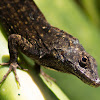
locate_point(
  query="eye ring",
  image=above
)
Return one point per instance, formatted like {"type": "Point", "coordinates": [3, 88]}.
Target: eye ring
{"type": "Point", "coordinates": [83, 62]}
{"type": "Point", "coordinates": [84, 59]}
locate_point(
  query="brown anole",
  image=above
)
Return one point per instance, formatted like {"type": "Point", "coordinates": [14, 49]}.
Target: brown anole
{"type": "Point", "coordinates": [29, 32]}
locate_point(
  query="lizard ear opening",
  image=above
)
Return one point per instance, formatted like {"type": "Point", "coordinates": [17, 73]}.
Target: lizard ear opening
{"type": "Point", "coordinates": [83, 62]}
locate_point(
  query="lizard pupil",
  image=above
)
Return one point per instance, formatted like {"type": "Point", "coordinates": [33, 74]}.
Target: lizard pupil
{"type": "Point", "coordinates": [84, 59]}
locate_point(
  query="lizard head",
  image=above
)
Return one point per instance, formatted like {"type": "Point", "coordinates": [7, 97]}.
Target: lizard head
{"type": "Point", "coordinates": [82, 64]}
{"type": "Point", "coordinates": [85, 68]}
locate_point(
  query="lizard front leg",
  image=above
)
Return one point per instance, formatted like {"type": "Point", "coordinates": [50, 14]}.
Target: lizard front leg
{"type": "Point", "coordinates": [16, 42]}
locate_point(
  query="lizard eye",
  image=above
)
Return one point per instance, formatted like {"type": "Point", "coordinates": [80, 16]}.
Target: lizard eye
{"type": "Point", "coordinates": [84, 59]}
{"type": "Point", "coordinates": [83, 62]}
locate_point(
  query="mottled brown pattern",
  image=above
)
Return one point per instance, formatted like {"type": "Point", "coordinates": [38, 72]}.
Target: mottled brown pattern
{"type": "Point", "coordinates": [49, 46]}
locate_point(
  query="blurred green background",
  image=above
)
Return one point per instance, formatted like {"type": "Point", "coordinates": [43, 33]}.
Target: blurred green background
{"type": "Point", "coordinates": [81, 18]}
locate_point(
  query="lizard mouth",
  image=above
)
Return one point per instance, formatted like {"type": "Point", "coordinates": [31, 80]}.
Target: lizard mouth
{"type": "Point", "coordinates": [92, 81]}
{"type": "Point", "coordinates": [95, 83]}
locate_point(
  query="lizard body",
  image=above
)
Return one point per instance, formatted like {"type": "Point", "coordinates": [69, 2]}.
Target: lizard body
{"type": "Point", "coordinates": [29, 31]}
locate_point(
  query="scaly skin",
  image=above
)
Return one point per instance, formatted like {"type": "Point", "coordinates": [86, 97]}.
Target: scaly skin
{"type": "Point", "coordinates": [29, 31]}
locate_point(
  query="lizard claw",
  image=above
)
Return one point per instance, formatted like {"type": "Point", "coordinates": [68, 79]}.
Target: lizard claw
{"type": "Point", "coordinates": [47, 76]}
{"type": "Point", "coordinates": [22, 68]}
{"type": "Point", "coordinates": [3, 64]}
{"type": "Point", "coordinates": [13, 66]}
